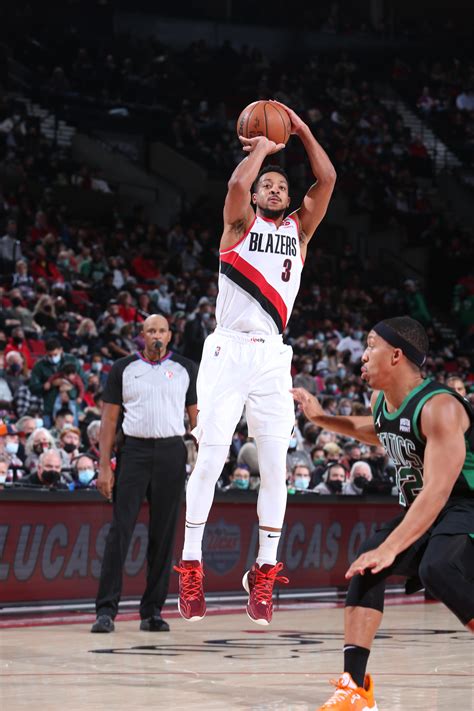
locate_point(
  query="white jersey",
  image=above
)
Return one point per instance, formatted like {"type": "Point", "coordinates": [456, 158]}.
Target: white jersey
{"type": "Point", "coordinates": [259, 278]}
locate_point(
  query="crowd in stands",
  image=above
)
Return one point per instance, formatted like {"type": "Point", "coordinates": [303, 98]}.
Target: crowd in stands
{"type": "Point", "coordinates": [73, 294]}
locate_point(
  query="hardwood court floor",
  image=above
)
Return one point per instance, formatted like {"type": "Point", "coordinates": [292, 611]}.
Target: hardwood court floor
{"type": "Point", "coordinates": [423, 660]}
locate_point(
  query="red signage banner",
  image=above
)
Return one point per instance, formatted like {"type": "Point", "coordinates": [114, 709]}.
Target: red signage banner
{"type": "Point", "coordinates": [51, 551]}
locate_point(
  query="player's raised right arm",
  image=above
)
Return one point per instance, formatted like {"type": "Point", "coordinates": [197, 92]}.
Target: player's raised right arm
{"type": "Point", "coordinates": [360, 428]}
{"type": "Point", "coordinates": [238, 213]}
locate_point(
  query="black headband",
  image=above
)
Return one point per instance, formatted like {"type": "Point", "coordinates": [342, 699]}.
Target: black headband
{"type": "Point", "coordinates": [397, 341]}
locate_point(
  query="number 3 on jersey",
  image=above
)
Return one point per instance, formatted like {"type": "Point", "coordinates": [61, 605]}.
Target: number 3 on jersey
{"type": "Point", "coordinates": [286, 273]}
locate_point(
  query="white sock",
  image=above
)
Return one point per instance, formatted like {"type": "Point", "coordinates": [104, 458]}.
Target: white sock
{"type": "Point", "coordinates": [193, 534]}
{"type": "Point", "coordinates": [199, 496]}
{"type": "Point", "coordinates": [268, 546]}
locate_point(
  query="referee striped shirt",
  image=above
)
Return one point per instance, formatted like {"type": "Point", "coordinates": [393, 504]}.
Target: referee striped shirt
{"type": "Point", "coordinates": [153, 394]}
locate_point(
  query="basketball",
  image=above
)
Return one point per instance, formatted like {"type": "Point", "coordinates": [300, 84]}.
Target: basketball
{"type": "Point", "coordinates": [264, 118]}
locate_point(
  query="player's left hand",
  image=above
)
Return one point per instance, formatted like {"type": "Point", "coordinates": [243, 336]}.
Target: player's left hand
{"type": "Point", "coordinates": [297, 124]}
{"type": "Point", "coordinates": [373, 561]}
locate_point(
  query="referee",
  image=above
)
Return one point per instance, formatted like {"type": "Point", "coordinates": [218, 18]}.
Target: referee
{"type": "Point", "coordinates": [151, 389]}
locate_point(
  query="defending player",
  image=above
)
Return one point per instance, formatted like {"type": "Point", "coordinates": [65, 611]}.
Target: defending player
{"type": "Point", "coordinates": [245, 362]}
{"type": "Point", "coordinates": [428, 431]}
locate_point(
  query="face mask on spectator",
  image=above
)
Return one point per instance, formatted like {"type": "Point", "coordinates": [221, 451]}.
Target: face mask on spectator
{"type": "Point", "coordinates": [307, 368]}
{"type": "Point", "coordinates": [332, 387]}
{"type": "Point", "coordinates": [97, 367]}
{"type": "Point", "coordinates": [85, 476]}
{"type": "Point", "coordinates": [361, 482]}
{"type": "Point", "coordinates": [3, 478]}
{"type": "Point", "coordinates": [346, 410]}
{"type": "Point", "coordinates": [69, 447]}
{"type": "Point", "coordinates": [358, 335]}
{"type": "Point", "coordinates": [350, 396]}
{"type": "Point", "coordinates": [40, 448]}
{"type": "Point", "coordinates": [335, 486]}
{"type": "Point", "coordinates": [301, 482]}
{"type": "Point", "coordinates": [39, 422]}
{"type": "Point", "coordinates": [3, 345]}
{"type": "Point", "coordinates": [242, 483]}
{"type": "Point", "coordinates": [54, 359]}
{"type": "Point", "coordinates": [11, 447]}
{"type": "Point", "coordinates": [318, 461]}
{"type": "Point", "coordinates": [18, 340]}
{"type": "Point", "coordinates": [50, 476]}
{"type": "Point", "coordinates": [14, 368]}
{"type": "Point", "coordinates": [342, 372]}
{"type": "Point", "coordinates": [293, 443]}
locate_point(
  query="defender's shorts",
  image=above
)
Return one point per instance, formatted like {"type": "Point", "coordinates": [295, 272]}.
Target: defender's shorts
{"type": "Point", "coordinates": [240, 369]}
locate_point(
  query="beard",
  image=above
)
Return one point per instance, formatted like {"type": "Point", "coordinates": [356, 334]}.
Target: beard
{"type": "Point", "coordinates": [272, 214]}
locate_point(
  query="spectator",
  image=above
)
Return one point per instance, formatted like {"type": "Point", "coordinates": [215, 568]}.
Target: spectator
{"type": "Point", "coordinates": [296, 455]}
{"type": "Point", "coordinates": [352, 343]}
{"type": "Point", "coordinates": [93, 430]}
{"type": "Point", "coordinates": [332, 454]}
{"type": "Point", "coordinates": [43, 383]}
{"type": "Point", "coordinates": [197, 329]}
{"type": "Point", "coordinates": [10, 248]}
{"type": "Point", "coordinates": [26, 425]}
{"type": "Point", "coordinates": [332, 480]}
{"type": "Point", "coordinates": [239, 478]}
{"type": "Point", "coordinates": [3, 470]}
{"type": "Point", "coordinates": [359, 478]}
{"type": "Point", "coordinates": [38, 442]}
{"type": "Point", "coordinates": [18, 343]}
{"type": "Point", "coordinates": [457, 384]}
{"type": "Point", "coordinates": [83, 473]}
{"type": "Point", "coordinates": [22, 280]}
{"type": "Point", "coordinates": [48, 473]}
{"type": "Point", "coordinates": [248, 457]}
{"type": "Point", "coordinates": [299, 479]}
{"type": "Point", "coordinates": [62, 418]}
{"type": "Point", "coordinates": [9, 446]}
{"type": "Point", "coordinates": [305, 379]}
{"type": "Point", "coordinates": [69, 446]}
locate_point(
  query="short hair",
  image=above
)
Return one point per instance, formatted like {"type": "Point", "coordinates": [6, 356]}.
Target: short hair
{"type": "Point", "coordinates": [269, 169]}
{"type": "Point", "coordinates": [47, 453]}
{"type": "Point", "coordinates": [328, 470]}
{"type": "Point", "coordinates": [299, 465]}
{"type": "Point", "coordinates": [51, 344]}
{"type": "Point", "coordinates": [91, 427]}
{"type": "Point", "coordinates": [361, 463]}
{"type": "Point", "coordinates": [411, 330]}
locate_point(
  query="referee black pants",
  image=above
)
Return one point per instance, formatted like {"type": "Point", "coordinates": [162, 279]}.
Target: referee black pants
{"type": "Point", "coordinates": [155, 469]}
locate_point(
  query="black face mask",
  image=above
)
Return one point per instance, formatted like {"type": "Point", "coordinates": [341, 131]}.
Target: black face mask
{"type": "Point", "coordinates": [361, 482]}
{"type": "Point", "coordinates": [3, 345]}
{"type": "Point", "coordinates": [69, 447]}
{"type": "Point", "coordinates": [50, 476]}
{"type": "Point", "coordinates": [335, 486]}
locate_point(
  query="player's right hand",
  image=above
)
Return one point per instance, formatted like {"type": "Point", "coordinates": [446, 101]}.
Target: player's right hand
{"type": "Point", "coordinates": [105, 481]}
{"type": "Point", "coordinates": [308, 402]}
{"type": "Point", "coordinates": [250, 144]}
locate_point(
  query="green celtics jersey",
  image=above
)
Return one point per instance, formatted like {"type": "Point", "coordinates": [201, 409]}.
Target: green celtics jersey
{"type": "Point", "coordinates": [400, 434]}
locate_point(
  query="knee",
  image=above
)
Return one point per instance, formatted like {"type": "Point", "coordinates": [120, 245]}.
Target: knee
{"type": "Point", "coordinates": [431, 572]}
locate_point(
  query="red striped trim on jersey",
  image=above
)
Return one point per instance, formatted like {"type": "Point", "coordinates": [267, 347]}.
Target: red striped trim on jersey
{"type": "Point", "coordinates": [234, 267]}
{"type": "Point", "coordinates": [294, 216]}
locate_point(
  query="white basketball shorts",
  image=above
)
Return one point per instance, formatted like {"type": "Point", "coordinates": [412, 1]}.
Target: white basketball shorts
{"type": "Point", "coordinates": [240, 369]}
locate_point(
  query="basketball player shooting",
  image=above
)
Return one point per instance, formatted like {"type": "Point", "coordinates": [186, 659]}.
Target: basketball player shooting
{"type": "Point", "coordinates": [245, 362]}
{"type": "Point", "coordinates": [428, 431]}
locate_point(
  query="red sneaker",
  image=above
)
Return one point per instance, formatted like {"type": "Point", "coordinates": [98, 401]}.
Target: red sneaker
{"type": "Point", "coordinates": [259, 582]}
{"type": "Point", "coordinates": [191, 602]}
